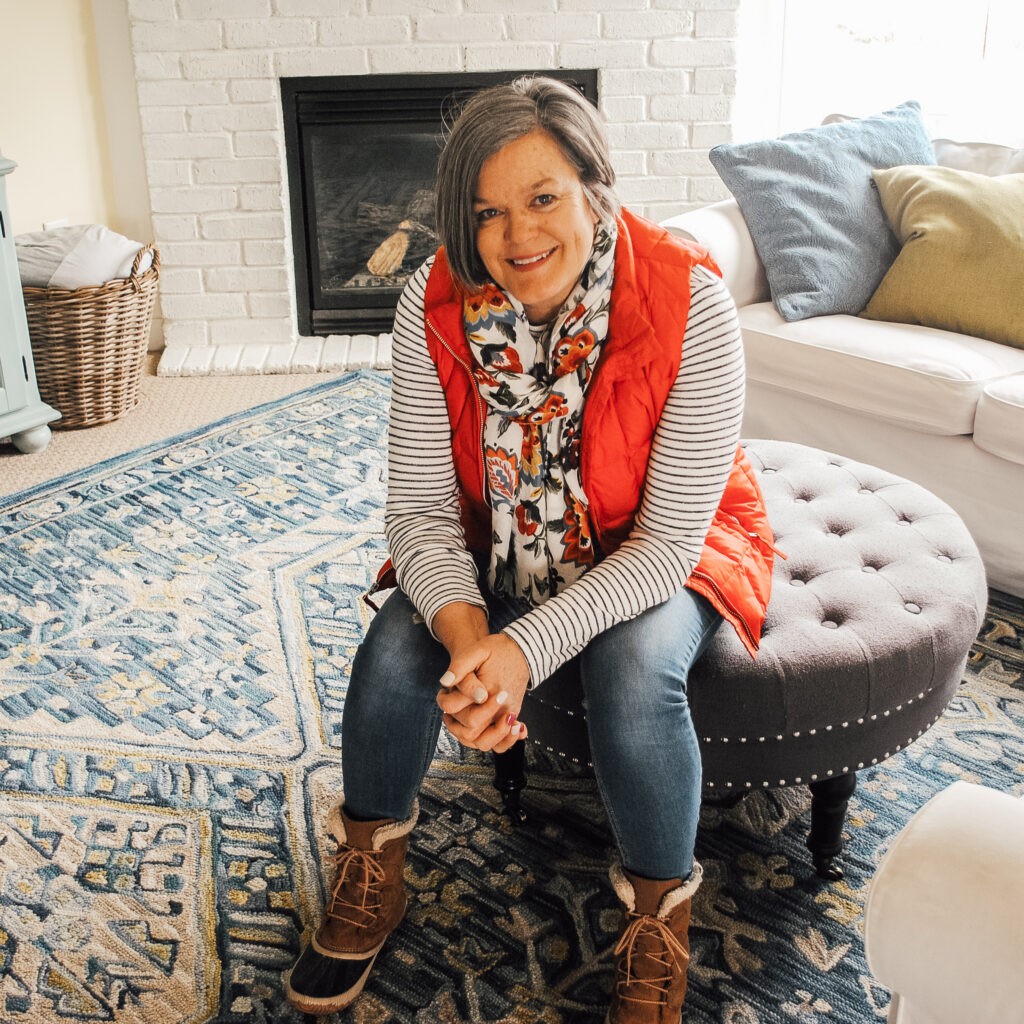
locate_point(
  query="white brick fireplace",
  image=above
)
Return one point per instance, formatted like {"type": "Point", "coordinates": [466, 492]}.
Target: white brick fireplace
{"type": "Point", "coordinates": [213, 135]}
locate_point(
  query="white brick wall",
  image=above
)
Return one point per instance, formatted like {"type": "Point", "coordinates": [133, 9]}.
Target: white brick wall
{"type": "Point", "coordinates": [209, 100]}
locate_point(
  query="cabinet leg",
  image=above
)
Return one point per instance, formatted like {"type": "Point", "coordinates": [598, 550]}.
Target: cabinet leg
{"type": "Point", "coordinates": [33, 440]}
{"type": "Point", "coordinates": [510, 780]}
{"type": "Point", "coordinates": [829, 799]}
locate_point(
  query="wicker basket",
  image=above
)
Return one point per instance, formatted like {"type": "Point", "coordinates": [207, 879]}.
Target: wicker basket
{"type": "Point", "coordinates": [89, 344]}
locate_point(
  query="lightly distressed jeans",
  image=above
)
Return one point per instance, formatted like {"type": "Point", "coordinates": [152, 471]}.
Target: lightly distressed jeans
{"type": "Point", "coordinates": [642, 739]}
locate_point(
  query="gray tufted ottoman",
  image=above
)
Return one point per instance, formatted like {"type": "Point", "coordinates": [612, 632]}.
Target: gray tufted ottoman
{"type": "Point", "coordinates": [870, 623]}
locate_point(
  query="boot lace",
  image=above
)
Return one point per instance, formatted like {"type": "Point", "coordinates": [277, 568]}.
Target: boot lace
{"type": "Point", "coordinates": [356, 897]}
{"type": "Point", "coordinates": [659, 959]}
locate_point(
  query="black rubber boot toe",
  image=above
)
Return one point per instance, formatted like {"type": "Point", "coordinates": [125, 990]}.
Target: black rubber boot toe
{"type": "Point", "coordinates": [325, 982]}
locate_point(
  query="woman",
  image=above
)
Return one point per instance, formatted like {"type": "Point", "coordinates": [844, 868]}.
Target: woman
{"type": "Point", "coordinates": [565, 483]}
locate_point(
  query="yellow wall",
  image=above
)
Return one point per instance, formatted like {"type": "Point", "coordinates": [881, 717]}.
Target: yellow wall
{"type": "Point", "coordinates": [51, 115]}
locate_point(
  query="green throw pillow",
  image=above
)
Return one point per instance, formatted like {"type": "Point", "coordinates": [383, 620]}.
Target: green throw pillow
{"type": "Point", "coordinates": [961, 265]}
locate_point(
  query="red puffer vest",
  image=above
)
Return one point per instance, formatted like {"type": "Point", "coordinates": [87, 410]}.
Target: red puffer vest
{"type": "Point", "coordinates": [638, 364]}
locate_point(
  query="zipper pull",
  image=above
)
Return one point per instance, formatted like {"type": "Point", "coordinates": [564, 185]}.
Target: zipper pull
{"type": "Point", "coordinates": [768, 544]}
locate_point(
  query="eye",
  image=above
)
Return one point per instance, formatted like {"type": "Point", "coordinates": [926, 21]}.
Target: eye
{"type": "Point", "coordinates": [483, 216]}
{"type": "Point", "coordinates": [546, 199]}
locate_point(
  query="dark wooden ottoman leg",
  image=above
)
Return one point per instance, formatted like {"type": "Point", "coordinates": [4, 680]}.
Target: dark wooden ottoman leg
{"type": "Point", "coordinates": [510, 780]}
{"type": "Point", "coordinates": [829, 798]}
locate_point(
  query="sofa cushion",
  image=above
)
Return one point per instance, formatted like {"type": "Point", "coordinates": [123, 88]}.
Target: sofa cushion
{"type": "Point", "coordinates": [920, 377]}
{"type": "Point", "coordinates": [961, 267]}
{"type": "Point", "coordinates": [999, 423]}
{"type": "Point", "coordinates": [813, 212]}
{"type": "Point", "coordinates": [980, 157]}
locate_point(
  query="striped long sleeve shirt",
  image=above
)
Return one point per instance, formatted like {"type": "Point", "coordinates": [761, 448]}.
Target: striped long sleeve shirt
{"type": "Point", "coordinates": [691, 457]}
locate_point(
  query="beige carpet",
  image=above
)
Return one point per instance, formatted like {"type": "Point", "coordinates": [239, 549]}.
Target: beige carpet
{"type": "Point", "coordinates": [167, 406]}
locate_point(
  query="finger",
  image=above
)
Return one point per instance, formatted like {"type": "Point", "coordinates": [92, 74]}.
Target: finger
{"type": "Point", "coordinates": [463, 693]}
{"type": "Point", "coordinates": [469, 686]}
{"type": "Point", "coordinates": [471, 692]}
{"type": "Point", "coordinates": [463, 665]}
{"type": "Point", "coordinates": [517, 733]}
{"type": "Point", "coordinates": [475, 718]}
{"type": "Point", "coordinates": [463, 733]}
{"type": "Point", "coordinates": [501, 737]}
{"type": "Point", "coordinates": [485, 734]}
{"type": "Point", "coordinates": [453, 703]}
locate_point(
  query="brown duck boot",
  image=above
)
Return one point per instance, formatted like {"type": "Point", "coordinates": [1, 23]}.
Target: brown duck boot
{"type": "Point", "coordinates": [654, 950]}
{"type": "Point", "coordinates": [364, 907]}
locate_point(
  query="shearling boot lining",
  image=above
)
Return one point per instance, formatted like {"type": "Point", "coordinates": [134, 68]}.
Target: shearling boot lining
{"type": "Point", "coordinates": [384, 834]}
{"type": "Point", "coordinates": [671, 899]}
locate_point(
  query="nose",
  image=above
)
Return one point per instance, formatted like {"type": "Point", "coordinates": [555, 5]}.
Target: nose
{"type": "Point", "coordinates": [519, 227]}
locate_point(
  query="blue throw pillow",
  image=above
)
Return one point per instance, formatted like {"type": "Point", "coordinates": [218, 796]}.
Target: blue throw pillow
{"type": "Point", "coordinates": [814, 212]}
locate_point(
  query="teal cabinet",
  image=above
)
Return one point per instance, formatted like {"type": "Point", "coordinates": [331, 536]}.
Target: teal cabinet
{"type": "Point", "coordinates": [23, 416]}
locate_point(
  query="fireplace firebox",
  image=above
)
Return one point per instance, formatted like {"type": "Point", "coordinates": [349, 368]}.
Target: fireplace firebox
{"type": "Point", "coordinates": [362, 152]}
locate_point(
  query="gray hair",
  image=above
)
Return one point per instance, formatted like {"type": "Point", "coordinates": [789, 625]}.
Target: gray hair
{"type": "Point", "coordinates": [490, 120]}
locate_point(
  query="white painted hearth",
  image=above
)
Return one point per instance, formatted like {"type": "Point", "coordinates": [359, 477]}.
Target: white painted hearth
{"type": "Point", "coordinates": [213, 139]}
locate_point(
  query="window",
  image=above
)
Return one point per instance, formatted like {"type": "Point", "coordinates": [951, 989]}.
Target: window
{"type": "Point", "coordinates": [800, 60]}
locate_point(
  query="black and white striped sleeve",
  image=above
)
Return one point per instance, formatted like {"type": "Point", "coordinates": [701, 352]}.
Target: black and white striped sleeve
{"type": "Point", "coordinates": [691, 457]}
{"type": "Point", "coordinates": [421, 518]}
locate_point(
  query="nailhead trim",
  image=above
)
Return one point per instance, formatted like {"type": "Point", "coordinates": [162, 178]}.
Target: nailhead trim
{"type": "Point", "coordinates": [831, 772]}
{"type": "Point", "coordinates": [828, 728]}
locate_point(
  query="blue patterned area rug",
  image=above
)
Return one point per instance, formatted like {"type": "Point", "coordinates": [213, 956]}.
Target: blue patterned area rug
{"type": "Point", "coordinates": [176, 630]}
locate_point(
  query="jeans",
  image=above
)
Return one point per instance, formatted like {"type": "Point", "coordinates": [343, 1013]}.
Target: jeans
{"type": "Point", "coordinates": [642, 740]}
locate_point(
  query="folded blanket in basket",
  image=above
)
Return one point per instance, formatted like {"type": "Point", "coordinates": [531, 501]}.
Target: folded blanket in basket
{"type": "Point", "coordinates": [84, 255]}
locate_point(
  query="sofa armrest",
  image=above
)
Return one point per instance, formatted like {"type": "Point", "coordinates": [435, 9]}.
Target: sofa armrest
{"type": "Point", "coordinates": [952, 881]}
{"type": "Point", "coordinates": [721, 229]}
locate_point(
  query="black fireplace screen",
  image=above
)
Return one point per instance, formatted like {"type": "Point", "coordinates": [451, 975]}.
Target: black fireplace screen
{"type": "Point", "coordinates": [362, 152]}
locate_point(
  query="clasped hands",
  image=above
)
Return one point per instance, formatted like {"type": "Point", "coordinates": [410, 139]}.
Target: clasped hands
{"type": "Point", "coordinates": [482, 692]}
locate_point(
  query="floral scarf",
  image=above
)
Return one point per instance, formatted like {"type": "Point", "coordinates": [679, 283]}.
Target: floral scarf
{"type": "Point", "coordinates": [533, 381]}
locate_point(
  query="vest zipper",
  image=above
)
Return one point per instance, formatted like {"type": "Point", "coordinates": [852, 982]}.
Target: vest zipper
{"type": "Point", "coordinates": [479, 404]}
{"type": "Point", "coordinates": [726, 604]}
{"type": "Point", "coordinates": [757, 537]}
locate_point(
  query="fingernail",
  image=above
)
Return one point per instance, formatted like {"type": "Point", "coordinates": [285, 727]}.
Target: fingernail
{"type": "Point", "coordinates": [510, 719]}
{"type": "Point", "coordinates": [448, 678]}
{"type": "Point", "coordinates": [480, 696]}
{"type": "Point", "coordinates": [502, 697]}
{"type": "Point", "coordinates": [521, 729]}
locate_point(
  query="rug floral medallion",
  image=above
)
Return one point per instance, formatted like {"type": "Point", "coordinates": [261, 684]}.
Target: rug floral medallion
{"type": "Point", "coordinates": [177, 626]}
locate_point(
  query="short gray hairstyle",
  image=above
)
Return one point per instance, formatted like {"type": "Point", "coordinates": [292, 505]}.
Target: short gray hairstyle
{"type": "Point", "coordinates": [490, 120]}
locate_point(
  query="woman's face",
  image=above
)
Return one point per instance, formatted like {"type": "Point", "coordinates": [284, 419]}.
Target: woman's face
{"type": "Point", "coordinates": [534, 226]}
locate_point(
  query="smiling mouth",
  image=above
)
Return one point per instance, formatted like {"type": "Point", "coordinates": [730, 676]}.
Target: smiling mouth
{"type": "Point", "coordinates": [529, 261]}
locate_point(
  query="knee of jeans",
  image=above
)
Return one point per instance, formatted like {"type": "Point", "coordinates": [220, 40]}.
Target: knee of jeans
{"type": "Point", "coordinates": [632, 679]}
{"type": "Point", "coordinates": [394, 657]}
{"type": "Point", "coordinates": [369, 661]}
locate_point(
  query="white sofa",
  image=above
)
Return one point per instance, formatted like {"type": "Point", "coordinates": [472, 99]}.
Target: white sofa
{"type": "Point", "coordinates": [942, 409]}
{"type": "Point", "coordinates": [943, 923]}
